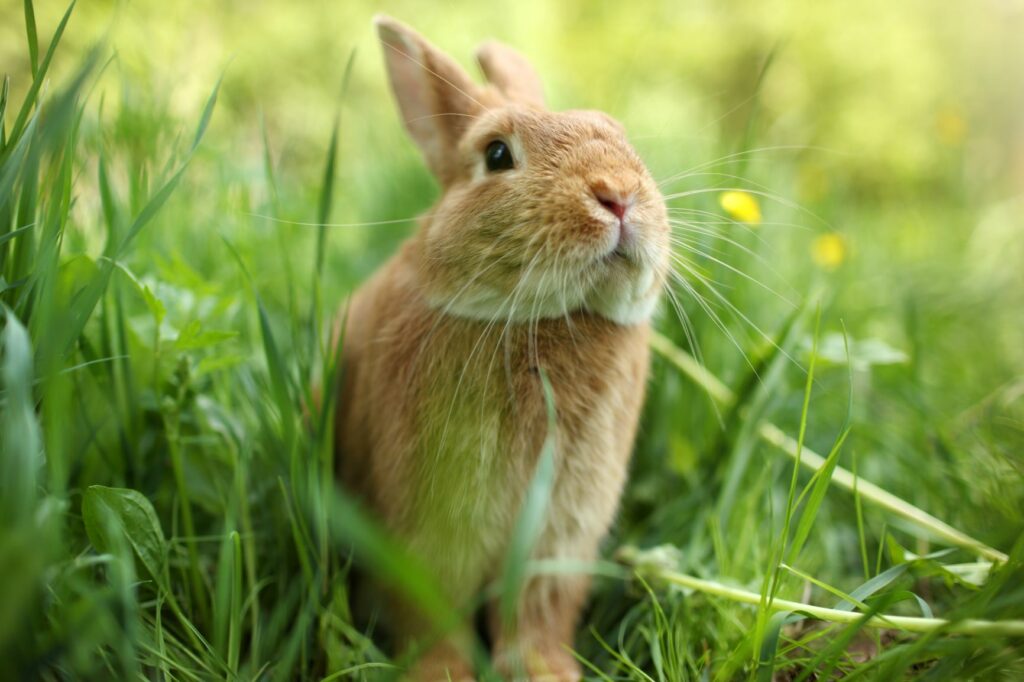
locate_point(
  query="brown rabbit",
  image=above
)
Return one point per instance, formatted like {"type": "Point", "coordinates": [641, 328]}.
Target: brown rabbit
{"type": "Point", "coordinates": [547, 250]}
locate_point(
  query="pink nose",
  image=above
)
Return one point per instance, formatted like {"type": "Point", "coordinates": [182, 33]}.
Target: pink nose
{"type": "Point", "coordinates": [612, 201]}
{"type": "Point", "coordinates": [615, 207]}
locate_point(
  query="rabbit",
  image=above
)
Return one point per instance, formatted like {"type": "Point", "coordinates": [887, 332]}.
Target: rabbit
{"type": "Point", "coordinates": [545, 255]}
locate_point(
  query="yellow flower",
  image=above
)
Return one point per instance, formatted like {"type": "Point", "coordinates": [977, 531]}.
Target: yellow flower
{"type": "Point", "coordinates": [829, 250]}
{"type": "Point", "coordinates": [741, 206]}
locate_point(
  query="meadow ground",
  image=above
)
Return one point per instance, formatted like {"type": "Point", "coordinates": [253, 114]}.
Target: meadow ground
{"type": "Point", "coordinates": [187, 197]}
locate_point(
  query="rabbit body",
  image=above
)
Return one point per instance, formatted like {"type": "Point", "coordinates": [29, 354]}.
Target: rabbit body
{"type": "Point", "coordinates": [544, 256]}
{"type": "Point", "coordinates": [445, 418]}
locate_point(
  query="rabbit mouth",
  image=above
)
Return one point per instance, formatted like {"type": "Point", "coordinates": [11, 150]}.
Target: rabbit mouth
{"type": "Point", "coordinates": [628, 245]}
{"type": "Point", "coordinates": [614, 256]}
{"type": "Point", "coordinates": [620, 256]}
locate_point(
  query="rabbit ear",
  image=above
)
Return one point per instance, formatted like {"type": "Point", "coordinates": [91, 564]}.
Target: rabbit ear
{"type": "Point", "coordinates": [511, 73]}
{"type": "Point", "coordinates": [435, 96]}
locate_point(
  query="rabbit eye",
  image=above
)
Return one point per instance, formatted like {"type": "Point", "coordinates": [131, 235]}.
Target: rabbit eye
{"type": "Point", "coordinates": [498, 157]}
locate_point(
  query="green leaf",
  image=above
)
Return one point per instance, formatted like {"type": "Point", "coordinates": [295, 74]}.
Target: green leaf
{"type": "Point", "coordinates": [216, 363]}
{"type": "Point", "coordinates": [193, 337]}
{"type": "Point", "coordinates": [770, 643]}
{"type": "Point", "coordinates": [130, 513]}
{"type": "Point", "coordinates": [20, 442]}
{"type": "Point", "coordinates": [879, 582]}
{"type": "Point", "coordinates": [862, 354]}
{"type": "Point", "coordinates": [155, 306]}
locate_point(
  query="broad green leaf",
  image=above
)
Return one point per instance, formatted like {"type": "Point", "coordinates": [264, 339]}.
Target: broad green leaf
{"type": "Point", "coordinates": [215, 363]}
{"type": "Point", "coordinates": [132, 514]}
{"type": "Point", "coordinates": [862, 354]}
{"type": "Point", "coordinates": [192, 337]}
{"type": "Point", "coordinates": [879, 582]}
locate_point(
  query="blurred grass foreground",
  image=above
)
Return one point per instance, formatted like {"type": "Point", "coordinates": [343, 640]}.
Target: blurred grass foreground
{"type": "Point", "coordinates": [187, 195]}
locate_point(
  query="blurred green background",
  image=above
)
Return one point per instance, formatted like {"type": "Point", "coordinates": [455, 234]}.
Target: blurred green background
{"type": "Point", "coordinates": [877, 149]}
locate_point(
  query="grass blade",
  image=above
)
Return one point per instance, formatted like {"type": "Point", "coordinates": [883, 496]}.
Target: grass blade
{"type": "Point", "coordinates": [33, 40]}
{"type": "Point", "coordinates": [532, 516]}
{"type": "Point", "coordinates": [977, 627]}
{"type": "Point", "coordinates": [204, 120]}
{"type": "Point", "coordinates": [39, 75]}
{"type": "Point", "coordinates": [160, 197]}
{"type": "Point", "coordinates": [5, 91]}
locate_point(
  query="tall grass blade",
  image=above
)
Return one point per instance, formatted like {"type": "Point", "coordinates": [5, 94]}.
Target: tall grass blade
{"type": "Point", "coordinates": [976, 627]}
{"type": "Point", "coordinates": [82, 306]}
{"type": "Point", "coordinates": [5, 91]}
{"type": "Point", "coordinates": [235, 604]}
{"type": "Point", "coordinates": [160, 197]}
{"type": "Point", "coordinates": [12, 164]}
{"type": "Point", "coordinates": [326, 197]}
{"type": "Point", "coordinates": [747, 406]}
{"type": "Point", "coordinates": [39, 75]}
{"type": "Point", "coordinates": [14, 233]}
{"type": "Point", "coordinates": [204, 120]}
{"type": "Point", "coordinates": [770, 643]}
{"type": "Point", "coordinates": [532, 515]}
{"type": "Point", "coordinates": [33, 40]}
{"type": "Point", "coordinates": [390, 563]}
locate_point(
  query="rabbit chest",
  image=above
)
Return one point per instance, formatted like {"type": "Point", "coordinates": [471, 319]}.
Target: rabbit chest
{"type": "Point", "coordinates": [443, 421]}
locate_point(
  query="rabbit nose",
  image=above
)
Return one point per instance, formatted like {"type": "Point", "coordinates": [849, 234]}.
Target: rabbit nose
{"type": "Point", "coordinates": [616, 202]}
{"type": "Point", "coordinates": [616, 207]}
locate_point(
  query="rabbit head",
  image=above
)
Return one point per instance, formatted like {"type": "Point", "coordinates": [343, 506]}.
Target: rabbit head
{"type": "Point", "coordinates": [543, 214]}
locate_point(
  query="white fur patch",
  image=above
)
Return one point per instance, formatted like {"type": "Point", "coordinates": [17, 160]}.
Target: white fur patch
{"type": "Point", "coordinates": [627, 303]}
{"type": "Point", "coordinates": [627, 298]}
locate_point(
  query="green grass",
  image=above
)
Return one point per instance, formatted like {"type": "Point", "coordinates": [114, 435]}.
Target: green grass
{"type": "Point", "coordinates": [167, 499]}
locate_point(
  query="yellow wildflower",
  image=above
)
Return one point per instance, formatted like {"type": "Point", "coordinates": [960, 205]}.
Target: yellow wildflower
{"type": "Point", "coordinates": [829, 250]}
{"type": "Point", "coordinates": [741, 206]}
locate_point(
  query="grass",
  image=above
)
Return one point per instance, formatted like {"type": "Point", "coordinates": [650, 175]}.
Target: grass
{"type": "Point", "coordinates": [167, 499]}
